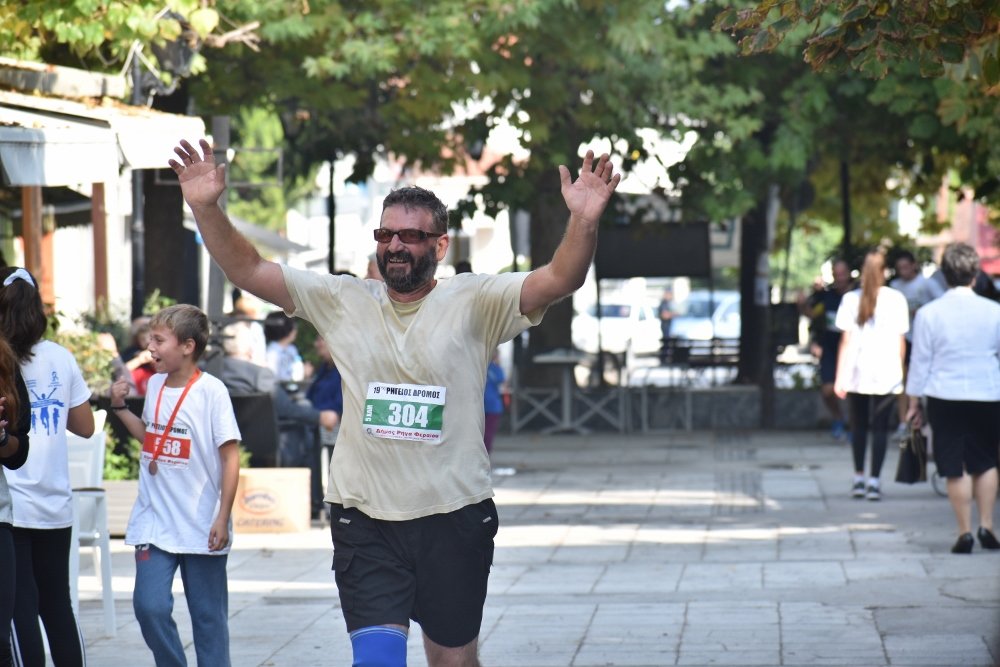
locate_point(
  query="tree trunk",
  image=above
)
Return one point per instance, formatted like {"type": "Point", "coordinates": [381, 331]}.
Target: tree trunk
{"type": "Point", "coordinates": [170, 251]}
{"type": "Point", "coordinates": [754, 231]}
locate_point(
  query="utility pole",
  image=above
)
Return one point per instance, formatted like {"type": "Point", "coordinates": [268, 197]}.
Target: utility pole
{"type": "Point", "coordinates": [216, 278]}
{"type": "Point", "coordinates": [138, 231]}
{"type": "Point", "coordinates": [331, 209]}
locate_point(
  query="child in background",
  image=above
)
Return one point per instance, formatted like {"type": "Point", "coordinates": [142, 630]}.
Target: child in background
{"type": "Point", "coordinates": [493, 400]}
{"type": "Point", "coordinates": [187, 483]}
{"type": "Point", "coordinates": [282, 356]}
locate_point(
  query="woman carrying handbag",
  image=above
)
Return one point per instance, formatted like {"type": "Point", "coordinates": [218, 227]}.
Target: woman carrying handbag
{"type": "Point", "coordinates": [955, 366]}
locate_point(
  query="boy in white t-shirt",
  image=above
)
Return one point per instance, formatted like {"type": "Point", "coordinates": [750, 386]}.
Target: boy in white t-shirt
{"type": "Point", "coordinates": [187, 482]}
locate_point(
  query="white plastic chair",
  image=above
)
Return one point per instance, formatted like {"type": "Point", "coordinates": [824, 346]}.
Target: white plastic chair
{"type": "Point", "coordinates": [90, 510]}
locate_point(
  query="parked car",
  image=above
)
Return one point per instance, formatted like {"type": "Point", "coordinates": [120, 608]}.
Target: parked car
{"type": "Point", "coordinates": [626, 328]}
{"type": "Point", "coordinates": [705, 315]}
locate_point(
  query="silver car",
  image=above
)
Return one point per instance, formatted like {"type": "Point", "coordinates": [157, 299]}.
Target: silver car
{"type": "Point", "coordinates": [705, 315]}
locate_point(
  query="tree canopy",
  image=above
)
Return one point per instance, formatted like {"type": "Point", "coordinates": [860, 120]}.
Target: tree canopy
{"type": "Point", "coordinates": [955, 44]}
{"type": "Point", "coordinates": [875, 36]}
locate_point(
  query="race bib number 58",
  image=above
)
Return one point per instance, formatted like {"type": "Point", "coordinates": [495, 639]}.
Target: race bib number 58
{"type": "Point", "coordinates": [404, 411]}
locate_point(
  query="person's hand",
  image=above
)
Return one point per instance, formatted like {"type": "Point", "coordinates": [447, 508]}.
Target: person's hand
{"type": "Point", "coordinates": [914, 415]}
{"type": "Point", "coordinates": [119, 390]}
{"type": "Point", "coordinates": [588, 195]}
{"type": "Point", "coordinates": [839, 390]}
{"type": "Point", "coordinates": [141, 358]}
{"type": "Point", "coordinates": [328, 419]}
{"type": "Point", "coordinates": [3, 422]}
{"type": "Point", "coordinates": [218, 536]}
{"type": "Point", "coordinates": [202, 182]}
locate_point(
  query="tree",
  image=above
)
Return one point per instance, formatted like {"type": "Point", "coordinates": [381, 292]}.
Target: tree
{"type": "Point", "coordinates": [767, 123]}
{"type": "Point", "coordinates": [103, 35]}
{"type": "Point", "coordinates": [954, 43]}
{"type": "Point", "coordinates": [428, 82]}
{"type": "Point", "coordinates": [876, 36]}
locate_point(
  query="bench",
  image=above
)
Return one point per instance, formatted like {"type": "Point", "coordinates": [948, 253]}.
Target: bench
{"type": "Point", "coordinates": [693, 359]}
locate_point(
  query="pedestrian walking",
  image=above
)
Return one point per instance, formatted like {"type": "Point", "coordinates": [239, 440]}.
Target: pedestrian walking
{"type": "Point", "coordinates": [955, 367]}
{"type": "Point", "coordinates": [412, 516]}
{"type": "Point", "coordinates": [824, 337]}
{"type": "Point", "coordinates": [187, 483]}
{"type": "Point", "coordinates": [873, 320]}
{"type": "Point", "coordinates": [919, 291]}
{"type": "Point", "coordinates": [493, 400]}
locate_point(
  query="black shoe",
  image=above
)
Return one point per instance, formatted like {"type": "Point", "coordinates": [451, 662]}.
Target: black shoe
{"type": "Point", "coordinates": [964, 544]}
{"type": "Point", "coordinates": [987, 539]}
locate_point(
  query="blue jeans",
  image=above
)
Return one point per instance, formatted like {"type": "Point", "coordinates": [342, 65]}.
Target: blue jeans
{"type": "Point", "coordinates": [207, 592]}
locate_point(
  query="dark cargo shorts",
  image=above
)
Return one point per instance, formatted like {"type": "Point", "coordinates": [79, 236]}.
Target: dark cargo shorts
{"type": "Point", "coordinates": [433, 570]}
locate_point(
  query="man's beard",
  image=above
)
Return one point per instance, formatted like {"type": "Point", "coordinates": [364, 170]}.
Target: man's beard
{"type": "Point", "coordinates": [421, 270]}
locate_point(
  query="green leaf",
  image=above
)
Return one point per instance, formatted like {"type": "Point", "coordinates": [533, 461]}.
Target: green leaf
{"type": "Point", "coordinates": [951, 52]}
{"type": "Point", "coordinates": [931, 68]}
{"type": "Point", "coordinates": [764, 40]}
{"type": "Point", "coordinates": [859, 12]}
{"type": "Point", "coordinates": [991, 69]}
{"type": "Point", "coordinates": [726, 20]}
{"type": "Point", "coordinates": [863, 41]}
{"type": "Point", "coordinates": [890, 26]}
{"type": "Point", "coordinates": [890, 50]}
{"type": "Point", "coordinates": [924, 126]}
{"type": "Point", "coordinates": [974, 22]}
{"type": "Point", "coordinates": [204, 21]}
{"type": "Point", "coordinates": [870, 66]}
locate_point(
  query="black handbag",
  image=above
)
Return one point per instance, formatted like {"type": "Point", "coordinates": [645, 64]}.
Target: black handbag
{"type": "Point", "coordinates": [912, 465]}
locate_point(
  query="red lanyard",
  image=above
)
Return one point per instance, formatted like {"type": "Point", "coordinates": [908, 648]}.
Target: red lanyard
{"type": "Point", "coordinates": [173, 415]}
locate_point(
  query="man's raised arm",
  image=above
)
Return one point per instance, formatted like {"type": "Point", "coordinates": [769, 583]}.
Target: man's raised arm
{"type": "Point", "coordinates": [202, 183]}
{"type": "Point", "coordinates": [586, 199]}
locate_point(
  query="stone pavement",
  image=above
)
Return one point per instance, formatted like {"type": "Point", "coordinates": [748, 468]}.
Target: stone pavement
{"type": "Point", "coordinates": [676, 549]}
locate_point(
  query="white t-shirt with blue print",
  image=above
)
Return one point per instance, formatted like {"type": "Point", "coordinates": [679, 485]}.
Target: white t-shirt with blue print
{"type": "Point", "coordinates": [40, 489]}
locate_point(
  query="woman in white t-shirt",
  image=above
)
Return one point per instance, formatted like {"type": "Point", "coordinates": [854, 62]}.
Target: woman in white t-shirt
{"type": "Point", "coordinates": [15, 421]}
{"type": "Point", "coordinates": [40, 489]}
{"type": "Point", "coordinates": [874, 320]}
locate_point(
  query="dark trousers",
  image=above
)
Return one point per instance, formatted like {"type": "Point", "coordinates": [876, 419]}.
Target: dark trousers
{"type": "Point", "coordinates": [7, 578]}
{"type": "Point", "coordinates": [872, 411]}
{"type": "Point", "coordinates": [42, 558]}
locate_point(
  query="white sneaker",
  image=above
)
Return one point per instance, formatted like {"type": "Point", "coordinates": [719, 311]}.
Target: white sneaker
{"type": "Point", "coordinates": [858, 490]}
{"type": "Point", "coordinates": [873, 493]}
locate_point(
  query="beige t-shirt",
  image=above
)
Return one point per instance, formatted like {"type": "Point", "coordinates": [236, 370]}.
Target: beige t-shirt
{"type": "Point", "coordinates": [411, 436]}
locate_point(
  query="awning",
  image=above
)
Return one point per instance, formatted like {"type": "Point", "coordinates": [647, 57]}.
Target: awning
{"type": "Point", "coordinates": [53, 141]}
{"type": "Point", "coordinates": [40, 149]}
{"type": "Point", "coordinates": [256, 234]}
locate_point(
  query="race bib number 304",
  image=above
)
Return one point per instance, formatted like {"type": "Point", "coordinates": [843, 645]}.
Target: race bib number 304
{"type": "Point", "coordinates": [404, 412]}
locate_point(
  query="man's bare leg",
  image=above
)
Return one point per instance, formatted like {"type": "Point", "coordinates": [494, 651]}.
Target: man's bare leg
{"type": "Point", "coordinates": [444, 656]}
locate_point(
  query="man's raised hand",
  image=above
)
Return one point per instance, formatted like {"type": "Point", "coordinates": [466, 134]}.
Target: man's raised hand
{"type": "Point", "coordinates": [202, 181]}
{"type": "Point", "coordinates": [588, 195]}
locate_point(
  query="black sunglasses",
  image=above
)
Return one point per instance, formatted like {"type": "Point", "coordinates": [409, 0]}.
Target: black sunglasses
{"type": "Point", "coordinates": [383, 235]}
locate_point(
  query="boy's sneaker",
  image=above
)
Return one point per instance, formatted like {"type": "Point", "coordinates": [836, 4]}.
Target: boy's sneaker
{"type": "Point", "coordinates": [858, 490]}
{"type": "Point", "coordinates": [873, 493]}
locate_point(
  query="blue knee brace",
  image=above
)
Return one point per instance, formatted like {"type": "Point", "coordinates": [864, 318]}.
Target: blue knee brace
{"type": "Point", "coordinates": [379, 646]}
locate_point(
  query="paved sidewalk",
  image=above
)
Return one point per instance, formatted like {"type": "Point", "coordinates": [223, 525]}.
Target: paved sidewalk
{"type": "Point", "coordinates": [679, 549]}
